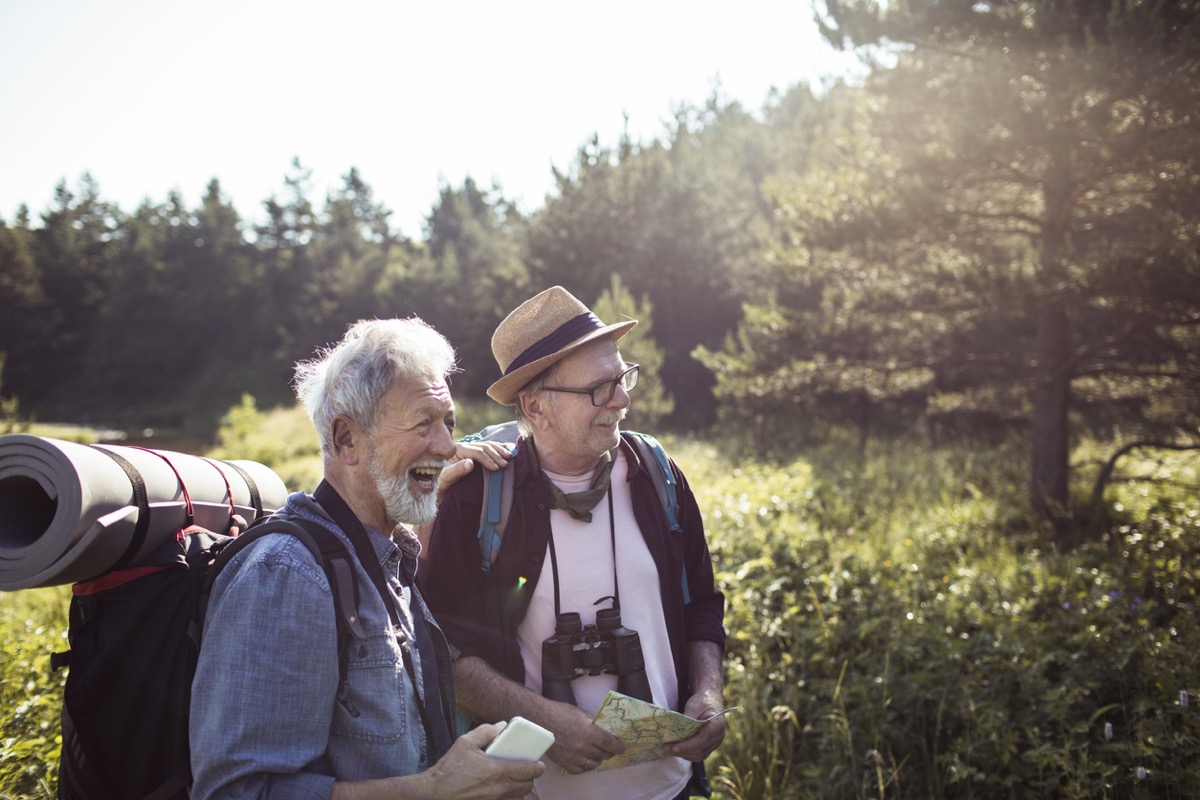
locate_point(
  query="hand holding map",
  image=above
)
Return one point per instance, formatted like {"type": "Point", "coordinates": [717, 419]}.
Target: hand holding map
{"type": "Point", "coordinates": [644, 727]}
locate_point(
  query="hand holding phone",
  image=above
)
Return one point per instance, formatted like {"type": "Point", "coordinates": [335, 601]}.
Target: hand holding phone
{"type": "Point", "coordinates": [521, 740]}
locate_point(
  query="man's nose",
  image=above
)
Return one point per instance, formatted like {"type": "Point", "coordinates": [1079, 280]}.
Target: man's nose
{"type": "Point", "coordinates": [442, 445]}
{"type": "Point", "coordinates": [620, 398]}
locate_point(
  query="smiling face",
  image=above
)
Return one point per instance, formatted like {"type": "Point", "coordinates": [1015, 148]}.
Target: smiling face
{"type": "Point", "coordinates": [412, 441]}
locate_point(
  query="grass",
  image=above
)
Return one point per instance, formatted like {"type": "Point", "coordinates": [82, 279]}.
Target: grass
{"type": "Point", "coordinates": [899, 627]}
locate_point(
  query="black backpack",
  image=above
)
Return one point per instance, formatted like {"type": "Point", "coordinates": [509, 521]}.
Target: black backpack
{"type": "Point", "coordinates": [135, 639]}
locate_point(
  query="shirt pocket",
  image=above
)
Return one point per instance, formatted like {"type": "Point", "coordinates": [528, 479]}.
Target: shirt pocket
{"type": "Point", "coordinates": [377, 705]}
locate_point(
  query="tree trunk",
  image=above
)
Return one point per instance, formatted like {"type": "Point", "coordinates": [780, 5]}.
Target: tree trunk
{"type": "Point", "coordinates": [1049, 471]}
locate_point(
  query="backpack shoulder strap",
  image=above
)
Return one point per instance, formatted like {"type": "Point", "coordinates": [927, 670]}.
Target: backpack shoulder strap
{"type": "Point", "coordinates": [498, 492]}
{"type": "Point", "coordinates": [497, 495]}
{"type": "Point", "coordinates": [493, 516]}
{"type": "Point", "coordinates": [327, 550]}
{"type": "Point", "coordinates": [335, 559]}
{"type": "Point", "coordinates": [664, 482]}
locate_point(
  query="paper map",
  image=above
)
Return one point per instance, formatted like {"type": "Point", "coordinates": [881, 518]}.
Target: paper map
{"type": "Point", "coordinates": [644, 727]}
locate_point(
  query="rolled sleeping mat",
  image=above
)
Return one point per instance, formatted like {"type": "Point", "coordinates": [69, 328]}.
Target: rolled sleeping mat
{"type": "Point", "coordinates": [71, 512]}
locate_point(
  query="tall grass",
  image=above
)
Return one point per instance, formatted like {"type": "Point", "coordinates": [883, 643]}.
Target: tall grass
{"type": "Point", "coordinates": [899, 627]}
{"type": "Point", "coordinates": [33, 624]}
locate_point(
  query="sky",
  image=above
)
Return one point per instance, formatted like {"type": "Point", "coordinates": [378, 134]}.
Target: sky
{"type": "Point", "coordinates": [154, 96]}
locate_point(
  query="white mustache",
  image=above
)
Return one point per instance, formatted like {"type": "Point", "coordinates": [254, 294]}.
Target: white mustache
{"type": "Point", "coordinates": [604, 421]}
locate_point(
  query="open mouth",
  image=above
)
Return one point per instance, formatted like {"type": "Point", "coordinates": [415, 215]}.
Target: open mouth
{"type": "Point", "coordinates": [425, 477]}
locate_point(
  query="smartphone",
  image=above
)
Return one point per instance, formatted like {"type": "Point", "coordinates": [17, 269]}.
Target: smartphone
{"type": "Point", "coordinates": [521, 740]}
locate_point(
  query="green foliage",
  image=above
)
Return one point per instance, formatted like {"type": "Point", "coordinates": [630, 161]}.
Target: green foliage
{"type": "Point", "coordinates": [282, 439]}
{"type": "Point", "coordinates": [995, 230]}
{"type": "Point", "coordinates": [652, 401]}
{"type": "Point", "coordinates": [9, 421]}
{"type": "Point", "coordinates": [892, 633]}
{"type": "Point", "coordinates": [474, 276]}
{"type": "Point", "coordinates": [923, 652]}
{"type": "Point", "coordinates": [475, 415]}
{"type": "Point", "coordinates": [33, 624]}
{"type": "Point", "coordinates": [676, 220]}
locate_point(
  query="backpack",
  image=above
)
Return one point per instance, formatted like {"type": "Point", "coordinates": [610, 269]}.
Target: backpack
{"type": "Point", "coordinates": [134, 635]}
{"type": "Point", "coordinates": [498, 491]}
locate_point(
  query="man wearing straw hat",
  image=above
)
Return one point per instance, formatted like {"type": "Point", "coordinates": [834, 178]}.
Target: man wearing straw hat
{"type": "Point", "coordinates": [586, 537]}
{"type": "Point", "coordinates": [273, 712]}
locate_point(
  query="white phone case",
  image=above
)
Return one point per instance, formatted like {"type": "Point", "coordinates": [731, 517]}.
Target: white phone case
{"type": "Point", "coordinates": [521, 740]}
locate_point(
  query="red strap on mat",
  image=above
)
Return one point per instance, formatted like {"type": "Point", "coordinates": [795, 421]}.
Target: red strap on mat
{"type": "Point", "coordinates": [187, 498]}
{"type": "Point", "coordinates": [110, 580]}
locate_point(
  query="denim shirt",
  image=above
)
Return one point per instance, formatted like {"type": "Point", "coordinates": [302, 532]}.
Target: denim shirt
{"type": "Point", "coordinates": [265, 719]}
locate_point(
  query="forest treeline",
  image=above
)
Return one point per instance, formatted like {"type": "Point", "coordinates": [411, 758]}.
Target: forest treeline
{"type": "Point", "coordinates": [999, 227]}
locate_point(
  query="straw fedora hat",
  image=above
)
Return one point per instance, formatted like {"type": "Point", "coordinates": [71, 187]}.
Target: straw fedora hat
{"type": "Point", "coordinates": [540, 332]}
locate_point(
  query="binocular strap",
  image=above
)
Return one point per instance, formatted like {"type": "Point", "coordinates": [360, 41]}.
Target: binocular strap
{"type": "Point", "coordinates": [612, 530]}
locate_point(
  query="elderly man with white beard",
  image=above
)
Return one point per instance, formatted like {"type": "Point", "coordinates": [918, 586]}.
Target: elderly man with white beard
{"type": "Point", "coordinates": [279, 707]}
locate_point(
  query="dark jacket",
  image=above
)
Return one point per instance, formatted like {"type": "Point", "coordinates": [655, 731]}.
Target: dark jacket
{"type": "Point", "coordinates": [480, 613]}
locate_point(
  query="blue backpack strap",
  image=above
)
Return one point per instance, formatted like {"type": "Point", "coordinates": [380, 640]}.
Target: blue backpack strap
{"type": "Point", "coordinates": [501, 431]}
{"type": "Point", "coordinates": [664, 479]}
{"type": "Point", "coordinates": [664, 482]}
{"type": "Point", "coordinates": [497, 495]}
{"type": "Point", "coordinates": [497, 502]}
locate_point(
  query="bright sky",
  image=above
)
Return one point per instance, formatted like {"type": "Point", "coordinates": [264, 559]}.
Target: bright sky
{"type": "Point", "coordinates": [154, 95]}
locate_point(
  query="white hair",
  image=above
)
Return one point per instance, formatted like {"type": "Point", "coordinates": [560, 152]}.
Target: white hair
{"type": "Point", "coordinates": [548, 376]}
{"type": "Point", "coordinates": [350, 378]}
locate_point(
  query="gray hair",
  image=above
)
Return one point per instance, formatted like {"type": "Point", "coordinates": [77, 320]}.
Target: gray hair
{"type": "Point", "coordinates": [548, 376]}
{"type": "Point", "coordinates": [350, 378]}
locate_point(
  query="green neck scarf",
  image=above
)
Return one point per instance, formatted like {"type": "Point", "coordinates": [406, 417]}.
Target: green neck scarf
{"type": "Point", "coordinates": [578, 504]}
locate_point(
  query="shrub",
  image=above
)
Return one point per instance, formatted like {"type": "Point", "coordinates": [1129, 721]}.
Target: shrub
{"type": "Point", "coordinates": [897, 629]}
{"type": "Point", "coordinates": [33, 624]}
{"type": "Point", "coordinates": [888, 634]}
{"type": "Point", "coordinates": [282, 439]}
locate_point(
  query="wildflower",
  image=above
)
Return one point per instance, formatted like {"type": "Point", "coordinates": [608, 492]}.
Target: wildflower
{"type": "Point", "coordinates": [1108, 730]}
{"type": "Point", "coordinates": [1183, 698]}
{"type": "Point", "coordinates": [1142, 773]}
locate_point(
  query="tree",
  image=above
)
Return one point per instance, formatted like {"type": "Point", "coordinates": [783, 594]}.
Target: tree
{"type": "Point", "coordinates": [25, 313]}
{"type": "Point", "coordinates": [652, 401]}
{"type": "Point", "coordinates": [10, 422]}
{"type": "Point", "coordinates": [75, 251]}
{"type": "Point", "coordinates": [350, 255]}
{"type": "Point", "coordinates": [1048, 149]}
{"type": "Point", "coordinates": [290, 316]}
{"type": "Point", "coordinates": [674, 219]}
{"type": "Point", "coordinates": [179, 314]}
{"type": "Point", "coordinates": [474, 277]}
{"type": "Point", "coordinates": [835, 331]}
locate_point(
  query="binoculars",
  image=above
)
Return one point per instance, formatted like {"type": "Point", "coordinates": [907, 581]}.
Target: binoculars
{"type": "Point", "coordinates": [606, 647]}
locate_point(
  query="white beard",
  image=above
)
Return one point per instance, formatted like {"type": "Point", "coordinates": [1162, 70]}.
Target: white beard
{"type": "Point", "coordinates": [401, 504]}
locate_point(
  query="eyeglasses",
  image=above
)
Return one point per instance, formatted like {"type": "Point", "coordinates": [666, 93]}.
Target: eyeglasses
{"type": "Point", "coordinates": [602, 393]}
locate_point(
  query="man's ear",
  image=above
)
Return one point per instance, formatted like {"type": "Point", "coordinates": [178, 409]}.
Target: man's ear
{"type": "Point", "coordinates": [533, 405]}
{"type": "Point", "coordinates": [345, 440]}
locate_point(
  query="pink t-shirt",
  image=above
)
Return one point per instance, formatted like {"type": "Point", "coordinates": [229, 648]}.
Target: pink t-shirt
{"type": "Point", "coordinates": [585, 571]}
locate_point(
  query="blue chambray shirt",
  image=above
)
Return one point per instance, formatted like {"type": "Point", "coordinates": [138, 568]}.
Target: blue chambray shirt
{"type": "Point", "coordinates": [265, 721]}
